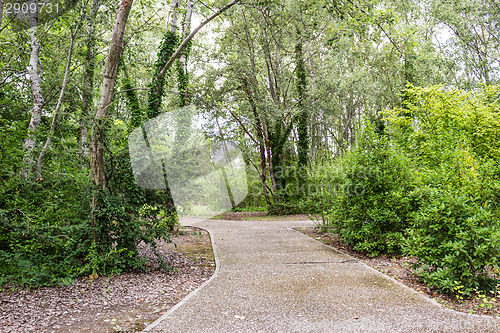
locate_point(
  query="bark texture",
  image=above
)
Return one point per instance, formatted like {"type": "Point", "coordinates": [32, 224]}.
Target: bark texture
{"type": "Point", "coordinates": [102, 112]}
{"type": "Point", "coordinates": [36, 91]}
{"type": "Point", "coordinates": [88, 83]}
{"type": "Point", "coordinates": [115, 51]}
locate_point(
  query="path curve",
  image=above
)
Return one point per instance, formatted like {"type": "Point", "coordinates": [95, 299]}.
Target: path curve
{"type": "Point", "coordinates": [271, 278]}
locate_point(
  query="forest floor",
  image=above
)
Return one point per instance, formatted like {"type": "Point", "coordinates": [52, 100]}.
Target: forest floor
{"type": "Point", "coordinates": [399, 268]}
{"type": "Point", "coordinates": [124, 303]}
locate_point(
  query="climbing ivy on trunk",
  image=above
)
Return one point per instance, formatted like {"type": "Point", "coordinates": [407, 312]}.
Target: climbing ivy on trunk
{"type": "Point", "coordinates": [156, 90]}
{"type": "Point", "coordinates": [302, 126]}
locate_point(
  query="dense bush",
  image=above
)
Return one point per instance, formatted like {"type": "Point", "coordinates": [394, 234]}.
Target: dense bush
{"type": "Point", "coordinates": [454, 136]}
{"type": "Point", "coordinates": [371, 206]}
{"type": "Point", "coordinates": [428, 186]}
{"type": "Point", "coordinates": [46, 235]}
{"type": "Point", "coordinates": [456, 240]}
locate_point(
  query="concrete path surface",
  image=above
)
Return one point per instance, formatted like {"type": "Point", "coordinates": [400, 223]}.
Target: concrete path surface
{"type": "Point", "coordinates": [270, 278]}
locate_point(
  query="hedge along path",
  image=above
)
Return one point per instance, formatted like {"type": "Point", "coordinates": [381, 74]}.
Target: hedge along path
{"type": "Point", "coordinates": [271, 278]}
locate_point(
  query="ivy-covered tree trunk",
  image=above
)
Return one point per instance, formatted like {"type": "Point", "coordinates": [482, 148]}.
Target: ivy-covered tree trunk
{"type": "Point", "coordinates": [302, 126]}
{"type": "Point", "coordinates": [132, 100]}
{"type": "Point", "coordinates": [182, 72]}
{"type": "Point", "coordinates": [166, 50]}
{"type": "Point", "coordinates": [102, 112]}
{"type": "Point", "coordinates": [183, 122]}
{"type": "Point", "coordinates": [278, 139]}
{"type": "Point", "coordinates": [156, 90]}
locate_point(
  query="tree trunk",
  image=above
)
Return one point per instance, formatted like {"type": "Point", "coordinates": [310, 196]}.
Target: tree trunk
{"type": "Point", "coordinates": [97, 137]}
{"type": "Point", "coordinates": [88, 83]}
{"type": "Point", "coordinates": [58, 106]}
{"type": "Point", "coordinates": [133, 104]}
{"type": "Point", "coordinates": [269, 156]}
{"type": "Point", "coordinates": [36, 91]}
{"type": "Point", "coordinates": [165, 52]}
{"type": "Point", "coordinates": [182, 73]}
{"type": "Point", "coordinates": [261, 141]}
{"type": "Point", "coordinates": [223, 171]}
{"type": "Point", "coordinates": [302, 128]}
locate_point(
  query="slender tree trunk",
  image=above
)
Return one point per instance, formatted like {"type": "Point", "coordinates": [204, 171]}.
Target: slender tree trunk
{"type": "Point", "coordinates": [36, 91]}
{"type": "Point", "coordinates": [88, 83]}
{"type": "Point", "coordinates": [261, 141]}
{"type": "Point", "coordinates": [102, 112]}
{"type": "Point", "coordinates": [263, 176]}
{"type": "Point", "coordinates": [58, 106]}
{"type": "Point", "coordinates": [269, 156]}
{"type": "Point", "coordinates": [302, 130]}
{"type": "Point", "coordinates": [223, 171]}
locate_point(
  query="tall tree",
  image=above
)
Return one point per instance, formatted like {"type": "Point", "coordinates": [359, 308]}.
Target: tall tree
{"type": "Point", "coordinates": [35, 76]}
{"type": "Point", "coordinates": [55, 114]}
{"type": "Point", "coordinates": [302, 123]}
{"type": "Point", "coordinates": [88, 80]}
{"type": "Point", "coordinates": [101, 114]}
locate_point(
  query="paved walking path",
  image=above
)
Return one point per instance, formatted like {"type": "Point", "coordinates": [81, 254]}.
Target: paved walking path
{"type": "Point", "coordinates": [271, 278]}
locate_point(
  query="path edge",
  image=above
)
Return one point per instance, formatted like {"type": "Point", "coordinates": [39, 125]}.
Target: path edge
{"type": "Point", "coordinates": [194, 292]}
{"type": "Point", "coordinates": [420, 295]}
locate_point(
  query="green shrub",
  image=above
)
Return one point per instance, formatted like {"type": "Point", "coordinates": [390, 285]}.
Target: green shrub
{"type": "Point", "coordinates": [46, 236]}
{"type": "Point", "coordinates": [456, 240]}
{"type": "Point", "coordinates": [43, 230]}
{"type": "Point", "coordinates": [371, 206]}
{"type": "Point", "coordinates": [454, 137]}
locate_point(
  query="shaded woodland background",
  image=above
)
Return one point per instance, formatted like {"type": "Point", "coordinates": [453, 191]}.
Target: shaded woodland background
{"type": "Point", "coordinates": [380, 117]}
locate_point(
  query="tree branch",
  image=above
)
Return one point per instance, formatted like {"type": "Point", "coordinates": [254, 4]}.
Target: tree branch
{"type": "Point", "coordinates": [191, 35]}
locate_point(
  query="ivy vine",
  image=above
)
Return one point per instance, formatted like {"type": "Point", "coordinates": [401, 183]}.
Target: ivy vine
{"type": "Point", "coordinates": [156, 89]}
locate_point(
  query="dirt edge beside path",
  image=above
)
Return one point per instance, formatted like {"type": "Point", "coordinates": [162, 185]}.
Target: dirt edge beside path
{"type": "Point", "coordinates": [124, 303]}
